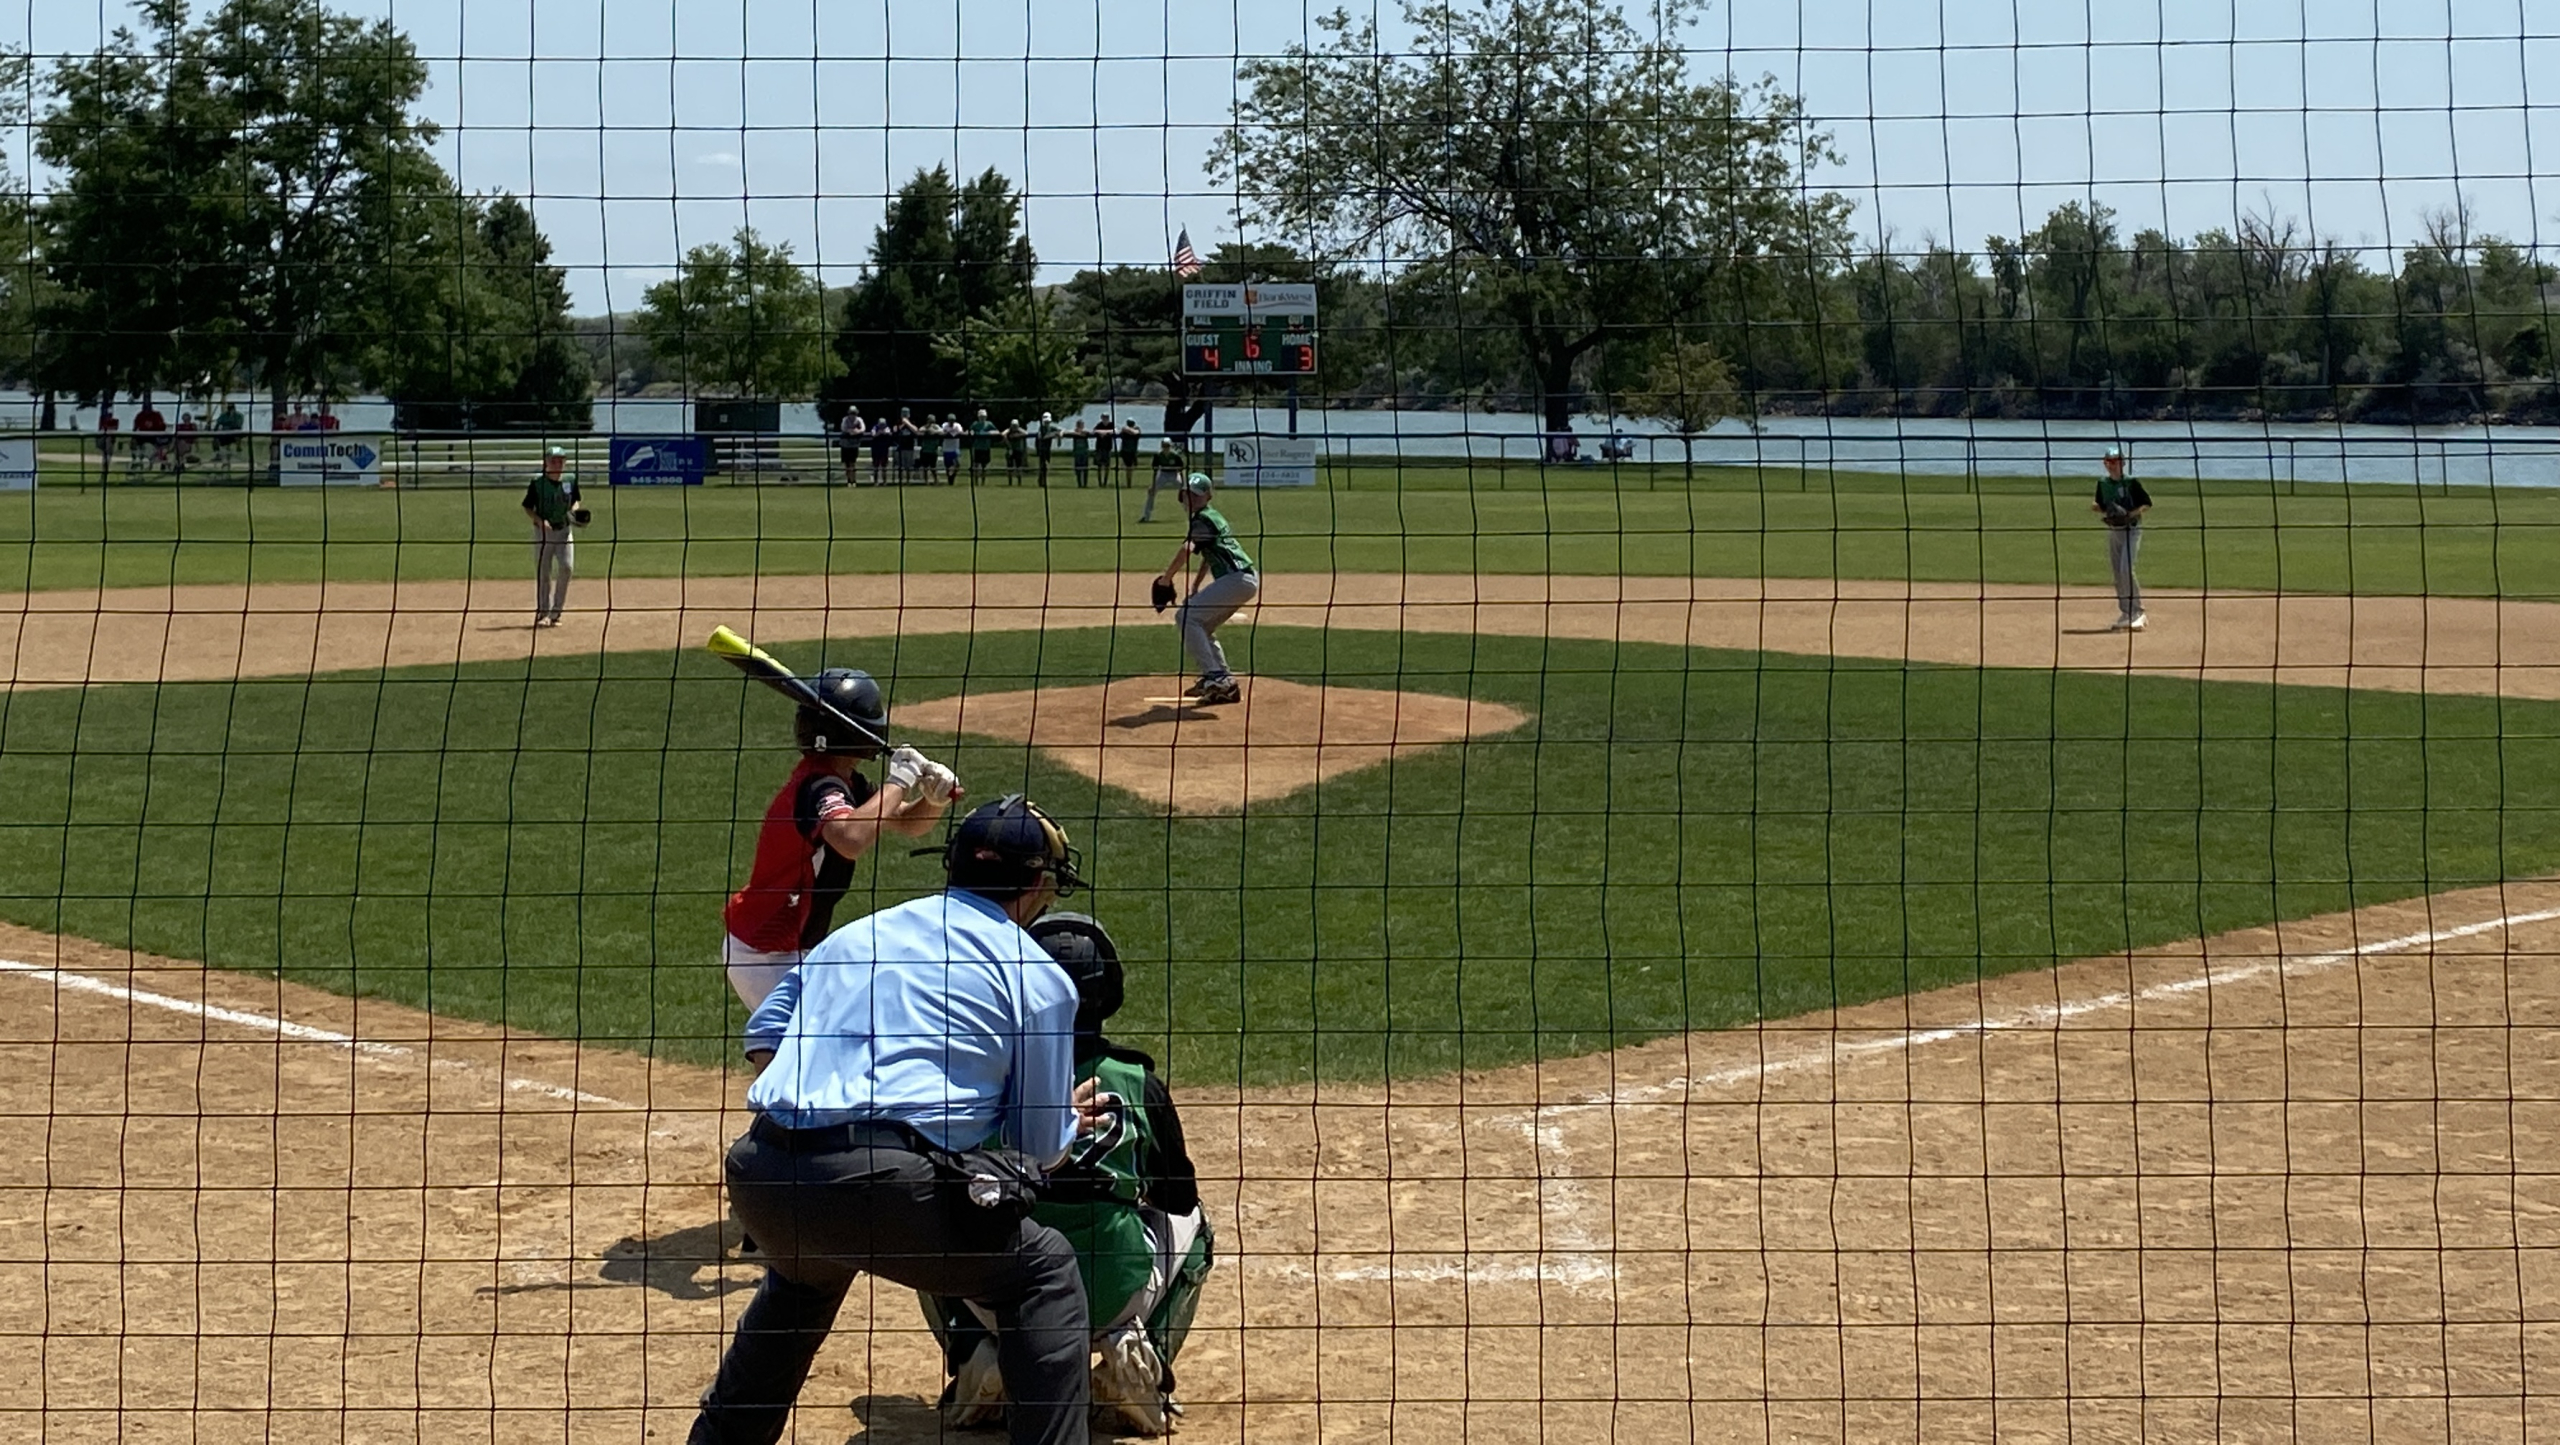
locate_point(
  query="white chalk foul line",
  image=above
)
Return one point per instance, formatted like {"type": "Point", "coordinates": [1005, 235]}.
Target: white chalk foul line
{"type": "Point", "coordinates": [1578, 1257]}
{"type": "Point", "coordinates": [2037, 1016]}
{"type": "Point", "coordinates": [286, 1029]}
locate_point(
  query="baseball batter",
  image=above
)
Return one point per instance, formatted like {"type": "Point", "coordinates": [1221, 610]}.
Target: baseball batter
{"type": "Point", "coordinates": [1222, 582]}
{"type": "Point", "coordinates": [826, 816]}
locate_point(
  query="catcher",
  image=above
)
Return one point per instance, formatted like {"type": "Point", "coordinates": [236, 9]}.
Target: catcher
{"type": "Point", "coordinates": [826, 816]}
{"type": "Point", "coordinates": [1129, 1203]}
{"type": "Point", "coordinates": [1222, 583]}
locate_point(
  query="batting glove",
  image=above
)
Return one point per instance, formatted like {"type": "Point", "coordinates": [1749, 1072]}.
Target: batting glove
{"type": "Point", "coordinates": [906, 768]}
{"type": "Point", "coordinates": [937, 783]}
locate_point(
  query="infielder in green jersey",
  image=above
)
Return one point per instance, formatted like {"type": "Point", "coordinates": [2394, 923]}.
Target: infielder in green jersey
{"type": "Point", "coordinates": [1222, 582]}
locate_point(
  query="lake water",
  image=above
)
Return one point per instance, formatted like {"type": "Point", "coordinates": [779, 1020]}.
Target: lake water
{"type": "Point", "coordinates": [2232, 451]}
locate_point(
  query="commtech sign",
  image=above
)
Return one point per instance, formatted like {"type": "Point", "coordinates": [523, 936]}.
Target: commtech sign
{"type": "Point", "coordinates": [313, 461]}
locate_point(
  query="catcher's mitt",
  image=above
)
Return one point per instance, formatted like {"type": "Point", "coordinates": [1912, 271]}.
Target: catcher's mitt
{"type": "Point", "coordinates": [580, 516]}
{"type": "Point", "coordinates": [1162, 593]}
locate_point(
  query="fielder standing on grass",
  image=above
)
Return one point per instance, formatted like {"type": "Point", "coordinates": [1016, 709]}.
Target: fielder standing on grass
{"type": "Point", "coordinates": [2122, 501]}
{"type": "Point", "coordinates": [551, 501]}
{"type": "Point", "coordinates": [826, 816]}
{"type": "Point", "coordinates": [915, 1077]}
{"type": "Point", "coordinates": [1222, 582]}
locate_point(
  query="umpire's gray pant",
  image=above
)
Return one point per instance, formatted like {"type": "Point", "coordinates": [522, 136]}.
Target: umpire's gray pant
{"type": "Point", "coordinates": [1205, 610]}
{"type": "Point", "coordinates": [2123, 545]}
{"type": "Point", "coordinates": [555, 553]}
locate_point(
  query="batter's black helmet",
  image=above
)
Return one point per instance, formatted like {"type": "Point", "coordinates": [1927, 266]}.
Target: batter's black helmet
{"type": "Point", "coordinates": [1001, 850]}
{"type": "Point", "coordinates": [853, 693]}
{"type": "Point", "coordinates": [1086, 952]}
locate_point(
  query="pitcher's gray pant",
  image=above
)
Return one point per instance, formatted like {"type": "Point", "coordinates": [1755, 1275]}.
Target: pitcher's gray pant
{"type": "Point", "coordinates": [1206, 609]}
{"type": "Point", "coordinates": [554, 560]}
{"type": "Point", "coordinates": [2123, 545]}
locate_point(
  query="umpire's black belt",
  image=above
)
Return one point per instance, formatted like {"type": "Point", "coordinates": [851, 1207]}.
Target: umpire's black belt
{"type": "Point", "coordinates": [835, 1138]}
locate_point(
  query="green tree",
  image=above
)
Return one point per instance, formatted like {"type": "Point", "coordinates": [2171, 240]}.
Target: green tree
{"type": "Point", "coordinates": [1021, 355]}
{"type": "Point", "coordinates": [496, 347]}
{"type": "Point", "coordinates": [1563, 162]}
{"type": "Point", "coordinates": [742, 319]}
{"type": "Point", "coordinates": [943, 255]}
{"type": "Point", "coordinates": [1690, 387]}
{"type": "Point", "coordinates": [254, 186]}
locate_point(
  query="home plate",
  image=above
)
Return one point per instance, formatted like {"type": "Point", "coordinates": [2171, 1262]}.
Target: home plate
{"type": "Point", "coordinates": [1140, 735]}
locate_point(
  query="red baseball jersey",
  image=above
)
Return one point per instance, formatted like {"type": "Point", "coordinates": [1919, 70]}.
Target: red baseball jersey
{"type": "Point", "coordinates": [790, 899]}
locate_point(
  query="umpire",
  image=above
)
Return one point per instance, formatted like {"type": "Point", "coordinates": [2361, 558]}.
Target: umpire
{"type": "Point", "coordinates": [906, 1037]}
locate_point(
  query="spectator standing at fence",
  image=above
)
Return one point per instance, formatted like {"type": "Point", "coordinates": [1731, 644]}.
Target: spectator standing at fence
{"type": "Point", "coordinates": [2121, 501]}
{"type": "Point", "coordinates": [849, 433]}
{"type": "Point", "coordinates": [982, 447]}
{"type": "Point", "coordinates": [905, 433]}
{"type": "Point", "coordinates": [880, 443]}
{"type": "Point", "coordinates": [951, 433]}
{"type": "Point", "coordinates": [1045, 444]}
{"type": "Point", "coordinates": [1106, 436]}
{"type": "Point", "coordinates": [183, 450]}
{"type": "Point", "coordinates": [107, 428]}
{"type": "Point", "coordinates": [1015, 437]}
{"type": "Point", "coordinates": [1129, 439]}
{"type": "Point", "coordinates": [1080, 447]}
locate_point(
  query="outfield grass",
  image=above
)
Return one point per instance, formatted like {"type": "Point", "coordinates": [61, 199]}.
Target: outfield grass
{"type": "Point", "coordinates": [1681, 839]}
{"type": "Point", "coordinates": [2368, 539]}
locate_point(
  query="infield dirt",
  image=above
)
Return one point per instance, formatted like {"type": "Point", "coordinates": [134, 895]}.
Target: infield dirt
{"type": "Point", "coordinates": [2400, 644]}
{"type": "Point", "coordinates": [2263, 1187]}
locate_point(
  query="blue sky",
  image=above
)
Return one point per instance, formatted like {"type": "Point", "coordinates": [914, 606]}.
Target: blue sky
{"type": "Point", "coordinates": [639, 127]}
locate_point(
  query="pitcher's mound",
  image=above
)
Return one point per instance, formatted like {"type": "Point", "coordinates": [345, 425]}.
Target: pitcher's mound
{"type": "Point", "coordinates": [1134, 734]}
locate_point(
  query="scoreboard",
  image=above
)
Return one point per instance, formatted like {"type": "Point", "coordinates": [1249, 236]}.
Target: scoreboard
{"type": "Point", "coordinates": [1249, 330]}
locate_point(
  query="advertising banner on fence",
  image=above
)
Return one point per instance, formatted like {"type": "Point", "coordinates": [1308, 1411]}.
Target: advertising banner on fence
{"type": "Point", "coordinates": [17, 464]}
{"type": "Point", "coordinates": [1258, 461]}
{"type": "Point", "coordinates": [317, 459]}
{"type": "Point", "coordinates": [659, 461]}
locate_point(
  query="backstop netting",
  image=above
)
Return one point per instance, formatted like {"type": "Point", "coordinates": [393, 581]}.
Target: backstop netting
{"type": "Point", "coordinates": [1822, 722]}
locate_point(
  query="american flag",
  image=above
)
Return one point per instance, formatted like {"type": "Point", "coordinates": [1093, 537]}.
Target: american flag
{"type": "Point", "coordinates": [1186, 262]}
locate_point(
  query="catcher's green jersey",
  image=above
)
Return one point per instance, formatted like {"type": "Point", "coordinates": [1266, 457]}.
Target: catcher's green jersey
{"type": "Point", "coordinates": [1113, 1252]}
{"type": "Point", "coordinates": [1215, 542]}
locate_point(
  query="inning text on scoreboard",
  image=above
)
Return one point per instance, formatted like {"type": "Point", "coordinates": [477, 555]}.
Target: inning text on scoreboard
{"type": "Point", "coordinates": [1255, 329]}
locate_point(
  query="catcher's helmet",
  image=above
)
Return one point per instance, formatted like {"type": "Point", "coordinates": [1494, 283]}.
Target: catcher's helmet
{"type": "Point", "coordinates": [1086, 952]}
{"type": "Point", "coordinates": [857, 696]}
{"type": "Point", "coordinates": [1002, 849]}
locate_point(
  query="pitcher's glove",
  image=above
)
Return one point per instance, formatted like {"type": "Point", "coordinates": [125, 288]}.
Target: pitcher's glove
{"type": "Point", "coordinates": [1162, 593]}
{"type": "Point", "coordinates": [580, 516]}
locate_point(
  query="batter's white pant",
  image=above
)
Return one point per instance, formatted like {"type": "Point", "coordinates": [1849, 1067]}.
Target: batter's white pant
{"type": "Point", "coordinates": [1205, 610]}
{"type": "Point", "coordinates": [753, 972]}
{"type": "Point", "coordinates": [2124, 545]}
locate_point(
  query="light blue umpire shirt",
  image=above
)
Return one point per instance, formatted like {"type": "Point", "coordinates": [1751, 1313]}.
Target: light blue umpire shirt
{"type": "Point", "coordinates": [942, 1014]}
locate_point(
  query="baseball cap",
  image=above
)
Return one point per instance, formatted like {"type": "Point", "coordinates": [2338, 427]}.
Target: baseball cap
{"type": "Point", "coordinates": [2115, 451]}
{"type": "Point", "coordinates": [1196, 482]}
{"type": "Point", "coordinates": [562, 453]}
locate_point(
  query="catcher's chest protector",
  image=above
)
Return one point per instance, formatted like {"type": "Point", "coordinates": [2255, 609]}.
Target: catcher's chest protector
{"type": "Point", "coordinates": [1113, 1252]}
